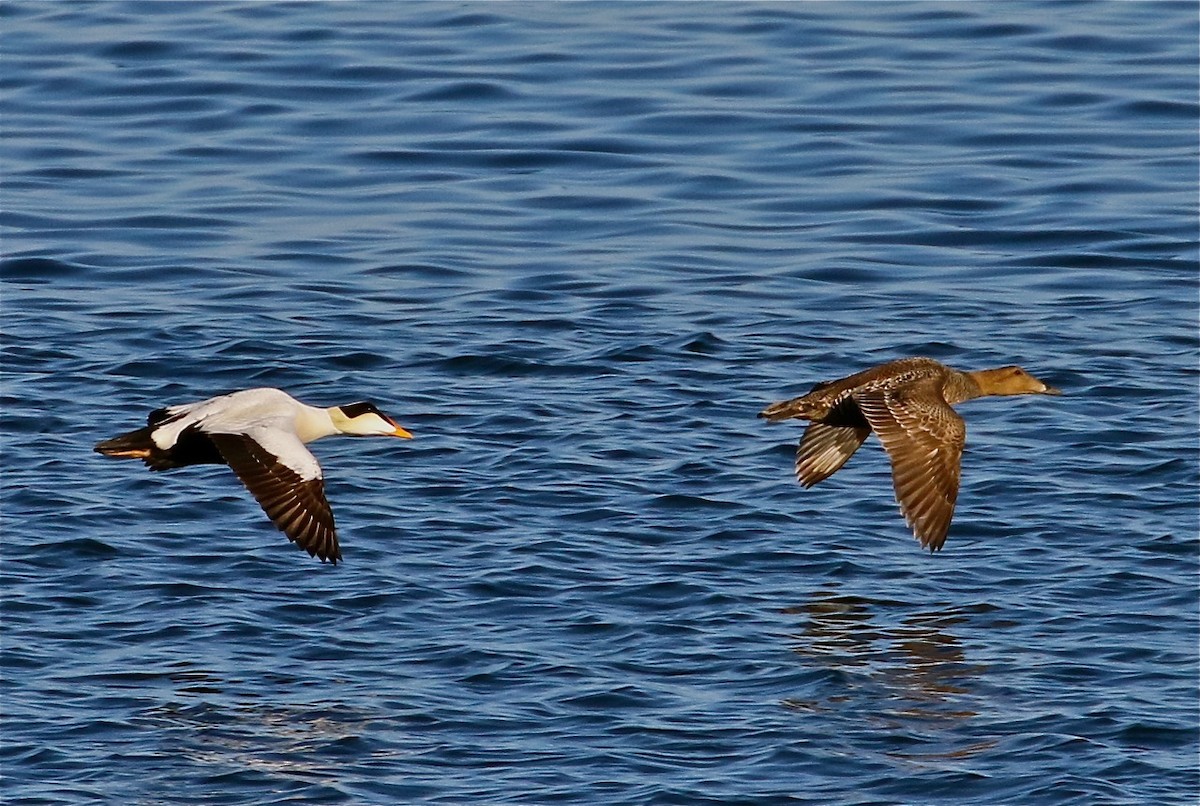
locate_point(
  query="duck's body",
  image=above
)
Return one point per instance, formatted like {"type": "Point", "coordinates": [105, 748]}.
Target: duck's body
{"type": "Point", "coordinates": [907, 403]}
{"type": "Point", "coordinates": [261, 434]}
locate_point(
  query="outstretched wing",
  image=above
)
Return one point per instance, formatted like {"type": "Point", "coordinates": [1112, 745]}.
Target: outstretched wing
{"type": "Point", "coordinates": [285, 479]}
{"type": "Point", "coordinates": [829, 442]}
{"type": "Point", "coordinates": [924, 439]}
{"type": "Point", "coordinates": [824, 448]}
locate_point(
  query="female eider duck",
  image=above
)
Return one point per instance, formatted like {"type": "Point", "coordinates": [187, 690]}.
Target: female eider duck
{"type": "Point", "coordinates": [908, 404]}
{"type": "Point", "coordinates": [260, 434]}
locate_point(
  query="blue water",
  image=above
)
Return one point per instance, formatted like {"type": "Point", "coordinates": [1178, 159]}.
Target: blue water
{"type": "Point", "coordinates": [575, 248]}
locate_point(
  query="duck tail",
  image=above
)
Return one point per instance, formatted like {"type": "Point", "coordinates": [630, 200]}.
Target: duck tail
{"type": "Point", "coordinates": [134, 445]}
{"type": "Point", "coordinates": [786, 410]}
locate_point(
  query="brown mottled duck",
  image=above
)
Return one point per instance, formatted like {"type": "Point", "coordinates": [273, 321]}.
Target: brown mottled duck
{"type": "Point", "coordinates": [908, 404]}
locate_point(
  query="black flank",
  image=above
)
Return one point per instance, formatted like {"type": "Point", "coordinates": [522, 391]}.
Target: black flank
{"type": "Point", "coordinates": [192, 448]}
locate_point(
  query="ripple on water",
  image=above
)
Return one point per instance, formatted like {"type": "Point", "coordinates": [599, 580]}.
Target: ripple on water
{"type": "Point", "coordinates": [575, 254]}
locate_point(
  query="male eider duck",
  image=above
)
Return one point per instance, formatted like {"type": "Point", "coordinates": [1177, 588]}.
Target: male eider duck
{"type": "Point", "coordinates": [260, 434]}
{"type": "Point", "coordinates": [907, 403]}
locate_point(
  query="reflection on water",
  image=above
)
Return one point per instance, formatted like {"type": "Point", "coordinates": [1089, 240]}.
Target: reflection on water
{"type": "Point", "coordinates": [237, 730]}
{"type": "Point", "coordinates": [909, 676]}
{"type": "Point", "coordinates": [580, 250]}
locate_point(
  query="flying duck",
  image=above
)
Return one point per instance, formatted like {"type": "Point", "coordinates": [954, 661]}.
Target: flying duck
{"type": "Point", "coordinates": [907, 403]}
{"type": "Point", "coordinates": [260, 434]}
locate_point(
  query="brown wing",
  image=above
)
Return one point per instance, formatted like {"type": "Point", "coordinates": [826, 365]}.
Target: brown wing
{"type": "Point", "coordinates": [827, 443]}
{"type": "Point", "coordinates": [296, 505]}
{"type": "Point", "coordinates": [825, 448]}
{"type": "Point", "coordinates": [924, 438]}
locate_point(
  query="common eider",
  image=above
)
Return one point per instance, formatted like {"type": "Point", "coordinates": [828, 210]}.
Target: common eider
{"type": "Point", "coordinates": [261, 434]}
{"type": "Point", "coordinates": [908, 404]}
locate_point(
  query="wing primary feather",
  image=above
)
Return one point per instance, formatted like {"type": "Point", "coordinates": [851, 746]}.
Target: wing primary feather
{"type": "Point", "coordinates": [296, 505]}
{"type": "Point", "coordinates": [923, 437]}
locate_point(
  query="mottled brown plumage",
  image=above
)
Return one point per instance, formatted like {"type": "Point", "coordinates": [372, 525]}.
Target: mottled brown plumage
{"type": "Point", "coordinates": [907, 403]}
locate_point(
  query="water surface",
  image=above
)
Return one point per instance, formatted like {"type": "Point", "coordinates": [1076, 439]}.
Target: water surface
{"type": "Point", "coordinates": [575, 248]}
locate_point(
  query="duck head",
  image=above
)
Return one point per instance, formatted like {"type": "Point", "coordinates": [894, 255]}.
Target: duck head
{"type": "Point", "coordinates": [1011, 381]}
{"type": "Point", "coordinates": [364, 420]}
